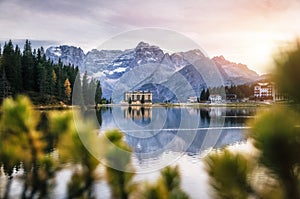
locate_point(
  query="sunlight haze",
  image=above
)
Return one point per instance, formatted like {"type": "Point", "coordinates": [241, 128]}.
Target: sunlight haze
{"type": "Point", "coordinates": [243, 31]}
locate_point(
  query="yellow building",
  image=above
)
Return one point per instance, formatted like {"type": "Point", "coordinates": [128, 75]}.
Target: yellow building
{"type": "Point", "coordinates": [138, 97]}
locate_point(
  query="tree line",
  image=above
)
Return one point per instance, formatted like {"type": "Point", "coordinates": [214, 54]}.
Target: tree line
{"type": "Point", "coordinates": [240, 91]}
{"type": "Point", "coordinates": [29, 72]}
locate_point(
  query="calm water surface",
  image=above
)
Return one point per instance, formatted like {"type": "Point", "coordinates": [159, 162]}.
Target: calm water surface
{"type": "Point", "coordinates": [163, 136]}
{"type": "Point", "coordinates": [177, 136]}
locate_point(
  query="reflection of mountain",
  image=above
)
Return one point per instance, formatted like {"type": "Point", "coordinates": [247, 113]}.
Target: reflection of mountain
{"type": "Point", "coordinates": [170, 141]}
{"type": "Point", "coordinates": [183, 130]}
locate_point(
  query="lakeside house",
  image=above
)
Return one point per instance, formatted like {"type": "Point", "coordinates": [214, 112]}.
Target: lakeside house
{"type": "Point", "coordinates": [231, 97]}
{"type": "Point", "coordinates": [264, 91]}
{"type": "Point", "coordinates": [215, 98]}
{"type": "Point", "coordinates": [138, 97]}
{"type": "Point", "coordinates": [268, 91]}
{"type": "Point", "coordinates": [192, 99]}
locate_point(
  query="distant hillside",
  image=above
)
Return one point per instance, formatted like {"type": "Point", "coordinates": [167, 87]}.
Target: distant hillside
{"type": "Point", "coordinates": [172, 77]}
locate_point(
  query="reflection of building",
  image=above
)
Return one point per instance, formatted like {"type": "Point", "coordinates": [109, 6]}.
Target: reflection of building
{"type": "Point", "coordinates": [215, 98]}
{"type": "Point", "coordinates": [138, 97]}
{"type": "Point", "coordinates": [138, 112]}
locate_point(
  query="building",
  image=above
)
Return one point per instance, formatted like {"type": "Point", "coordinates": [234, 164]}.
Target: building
{"type": "Point", "coordinates": [231, 97]}
{"type": "Point", "coordinates": [193, 99]}
{"type": "Point", "coordinates": [138, 97]}
{"type": "Point", "coordinates": [268, 91]}
{"type": "Point", "coordinates": [264, 91]}
{"type": "Point", "coordinates": [215, 98]}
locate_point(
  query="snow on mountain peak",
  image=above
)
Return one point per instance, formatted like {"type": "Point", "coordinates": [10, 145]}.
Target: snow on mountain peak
{"type": "Point", "coordinates": [110, 65]}
{"type": "Point", "coordinates": [56, 51]}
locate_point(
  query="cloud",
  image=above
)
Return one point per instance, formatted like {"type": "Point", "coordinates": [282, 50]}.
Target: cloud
{"type": "Point", "coordinates": [217, 25]}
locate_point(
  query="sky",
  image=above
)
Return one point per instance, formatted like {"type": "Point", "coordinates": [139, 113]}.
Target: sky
{"type": "Point", "coordinates": [243, 31]}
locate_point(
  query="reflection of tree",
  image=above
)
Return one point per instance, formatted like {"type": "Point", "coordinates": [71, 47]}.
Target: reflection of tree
{"type": "Point", "coordinates": [143, 112]}
{"type": "Point", "coordinates": [205, 116]}
{"type": "Point", "coordinates": [99, 115]}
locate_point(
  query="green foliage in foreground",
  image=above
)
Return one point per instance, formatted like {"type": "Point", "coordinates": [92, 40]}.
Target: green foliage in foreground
{"type": "Point", "coordinates": [42, 149]}
{"type": "Point", "coordinates": [229, 172]}
{"type": "Point", "coordinates": [276, 138]}
{"type": "Point", "coordinates": [272, 170]}
{"type": "Point", "coordinates": [288, 71]}
{"type": "Point", "coordinates": [166, 187]}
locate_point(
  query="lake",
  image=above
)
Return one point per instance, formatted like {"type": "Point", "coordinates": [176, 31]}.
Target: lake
{"type": "Point", "coordinates": [161, 136]}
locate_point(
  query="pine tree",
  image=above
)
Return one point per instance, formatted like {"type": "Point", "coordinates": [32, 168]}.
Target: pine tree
{"type": "Point", "coordinates": [54, 82]}
{"type": "Point", "coordinates": [18, 68]}
{"type": "Point", "coordinates": [92, 86]}
{"type": "Point", "coordinates": [85, 86]}
{"type": "Point", "coordinates": [203, 95]}
{"type": "Point", "coordinates": [67, 87]}
{"type": "Point", "coordinates": [207, 94]}
{"type": "Point", "coordinates": [77, 98]}
{"type": "Point", "coordinates": [41, 79]}
{"type": "Point", "coordinates": [60, 80]}
{"type": "Point", "coordinates": [98, 95]}
{"type": "Point", "coordinates": [10, 66]}
{"type": "Point", "coordinates": [28, 67]}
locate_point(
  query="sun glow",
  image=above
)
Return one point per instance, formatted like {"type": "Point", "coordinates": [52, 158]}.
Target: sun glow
{"type": "Point", "coordinates": [264, 48]}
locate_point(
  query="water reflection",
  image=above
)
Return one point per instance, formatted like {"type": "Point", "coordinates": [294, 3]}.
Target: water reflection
{"type": "Point", "coordinates": [155, 132]}
{"type": "Point", "coordinates": [139, 114]}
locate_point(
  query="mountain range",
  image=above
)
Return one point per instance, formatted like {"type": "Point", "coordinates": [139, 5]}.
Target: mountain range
{"type": "Point", "coordinates": [173, 77]}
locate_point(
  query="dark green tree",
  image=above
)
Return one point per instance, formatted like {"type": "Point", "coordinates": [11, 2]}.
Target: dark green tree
{"type": "Point", "coordinates": [202, 95]}
{"type": "Point", "coordinates": [18, 68]}
{"type": "Point", "coordinates": [41, 81]}
{"type": "Point", "coordinates": [77, 98]}
{"type": "Point", "coordinates": [207, 94]}
{"type": "Point", "coordinates": [10, 62]}
{"type": "Point", "coordinates": [28, 67]}
{"type": "Point", "coordinates": [92, 86]}
{"type": "Point", "coordinates": [98, 95]}
{"type": "Point", "coordinates": [85, 88]}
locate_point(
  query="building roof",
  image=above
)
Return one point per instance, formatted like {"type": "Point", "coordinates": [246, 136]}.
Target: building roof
{"type": "Point", "coordinates": [138, 92]}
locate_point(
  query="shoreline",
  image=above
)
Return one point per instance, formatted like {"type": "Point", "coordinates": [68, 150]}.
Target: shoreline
{"type": "Point", "coordinates": [169, 105]}
{"type": "Point", "coordinates": [193, 105]}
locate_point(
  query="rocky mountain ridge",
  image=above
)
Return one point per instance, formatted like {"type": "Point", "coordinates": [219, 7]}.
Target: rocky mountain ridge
{"type": "Point", "coordinates": [149, 67]}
